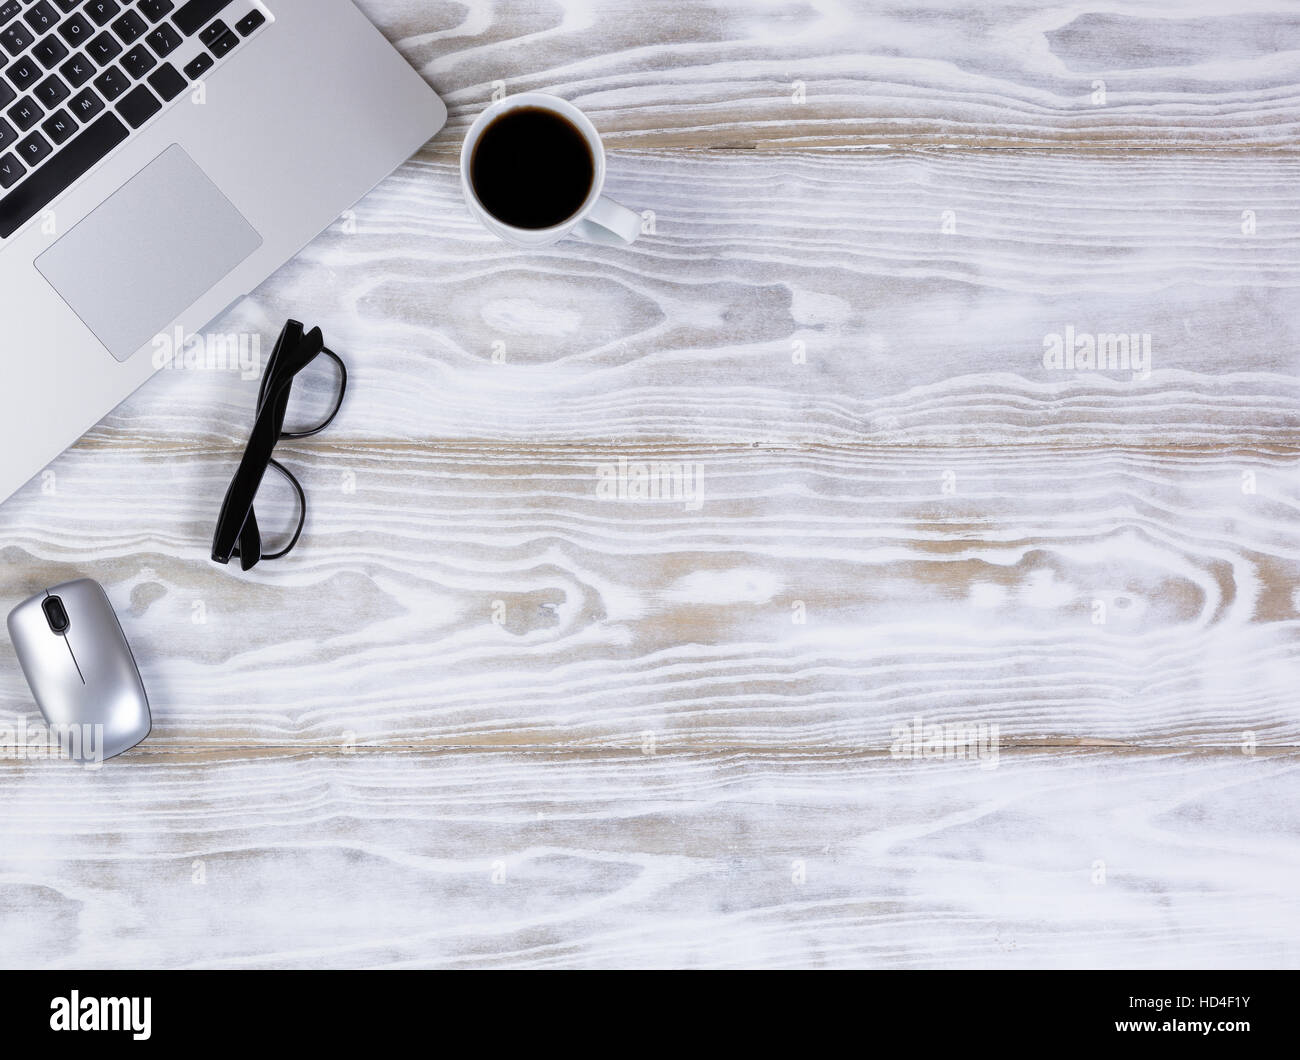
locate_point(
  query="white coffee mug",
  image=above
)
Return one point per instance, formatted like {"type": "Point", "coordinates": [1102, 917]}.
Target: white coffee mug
{"type": "Point", "coordinates": [598, 219]}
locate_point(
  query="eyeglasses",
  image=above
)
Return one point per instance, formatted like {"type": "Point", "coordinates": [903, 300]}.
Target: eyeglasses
{"type": "Point", "coordinates": [237, 534]}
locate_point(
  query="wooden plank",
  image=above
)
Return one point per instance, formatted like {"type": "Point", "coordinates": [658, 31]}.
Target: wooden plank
{"type": "Point", "coordinates": [514, 860]}
{"type": "Point", "coordinates": [854, 73]}
{"type": "Point", "coordinates": [812, 599]}
{"type": "Point", "coordinates": [907, 334]}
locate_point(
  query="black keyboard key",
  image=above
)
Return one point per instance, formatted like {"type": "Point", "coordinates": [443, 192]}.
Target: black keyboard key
{"type": "Point", "coordinates": [23, 73]}
{"type": "Point", "coordinates": [249, 22]}
{"type": "Point", "coordinates": [138, 106]}
{"type": "Point", "coordinates": [50, 52]}
{"type": "Point", "coordinates": [7, 134]}
{"type": "Point", "coordinates": [198, 13]}
{"type": "Point", "coordinates": [41, 17]}
{"type": "Point", "coordinates": [76, 30]}
{"type": "Point", "coordinates": [223, 44]}
{"type": "Point", "coordinates": [16, 38]}
{"type": "Point", "coordinates": [51, 92]}
{"type": "Point", "coordinates": [59, 126]}
{"type": "Point", "coordinates": [164, 40]}
{"type": "Point", "coordinates": [167, 82]}
{"type": "Point", "coordinates": [102, 10]}
{"type": "Point", "coordinates": [11, 171]}
{"type": "Point", "coordinates": [25, 113]}
{"type": "Point", "coordinates": [213, 32]}
{"type": "Point", "coordinates": [9, 9]}
{"type": "Point", "coordinates": [77, 70]}
{"type": "Point", "coordinates": [104, 48]}
{"type": "Point", "coordinates": [138, 62]}
{"type": "Point", "coordinates": [203, 62]}
{"type": "Point", "coordinates": [69, 163]}
{"type": "Point", "coordinates": [112, 83]}
{"type": "Point", "coordinates": [153, 10]}
{"type": "Point", "coordinates": [67, 5]}
{"type": "Point", "coordinates": [34, 150]}
{"type": "Point", "coordinates": [130, 27]}
{"type": "Point", "coordinates": [8, 95]}
{"type": "Point", "coordinates": [85, 105]}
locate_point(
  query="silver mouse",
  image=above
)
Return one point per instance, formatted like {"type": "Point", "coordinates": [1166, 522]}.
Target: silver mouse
{"type": "Point", "coordinates": [81, 670]}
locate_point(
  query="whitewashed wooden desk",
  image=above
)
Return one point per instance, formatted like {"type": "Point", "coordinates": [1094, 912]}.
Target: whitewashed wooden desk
{"type": "Point", "coordinates": [426, 738]}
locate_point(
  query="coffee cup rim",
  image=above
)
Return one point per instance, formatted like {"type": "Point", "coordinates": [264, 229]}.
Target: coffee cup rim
{"type": "Point", "coordinates": [560, 106]}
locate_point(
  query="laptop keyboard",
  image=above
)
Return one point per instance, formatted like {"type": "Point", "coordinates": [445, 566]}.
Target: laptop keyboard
{"type": "Point", "coordinates": [79, 78]}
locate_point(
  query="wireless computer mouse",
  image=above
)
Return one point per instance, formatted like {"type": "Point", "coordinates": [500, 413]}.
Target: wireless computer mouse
{"type": "Point", "coordinates": [80, 668]}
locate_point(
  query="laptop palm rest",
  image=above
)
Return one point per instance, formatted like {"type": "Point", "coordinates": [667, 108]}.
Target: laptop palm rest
{"type": "Point", "coordinates": [148, 253]}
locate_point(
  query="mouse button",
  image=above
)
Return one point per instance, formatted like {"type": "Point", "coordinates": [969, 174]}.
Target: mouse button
{"type": "Point", "coordinates": [79, 593]}
{"type": "Point", "coordinates": [29, 629]}
{"type": "Point", "coordinates": [47, 663]}
{"type": "Point", "coordinates": [21, 617]}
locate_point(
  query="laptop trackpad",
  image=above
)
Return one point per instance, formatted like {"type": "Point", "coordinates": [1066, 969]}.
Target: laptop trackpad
{"type": "Point", "coordinates": [148, 253]}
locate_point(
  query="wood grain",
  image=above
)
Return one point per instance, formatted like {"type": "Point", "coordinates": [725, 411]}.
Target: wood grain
{"type": "Point", "coordinates": [907, 335]}
{"type": "Point", "coordinates": [993, 73]}
{"type": "Point", "coordinates": [815, 599]}
{"type": "Point", "coordinates": [666, 860]}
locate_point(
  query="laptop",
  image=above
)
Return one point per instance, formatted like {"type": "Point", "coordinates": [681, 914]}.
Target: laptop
{"type": "Point", "coordinates": [158, 160]}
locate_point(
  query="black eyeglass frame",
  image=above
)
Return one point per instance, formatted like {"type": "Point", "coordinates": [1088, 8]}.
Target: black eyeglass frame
{"type": "Point", "coordinates": [237, 534]}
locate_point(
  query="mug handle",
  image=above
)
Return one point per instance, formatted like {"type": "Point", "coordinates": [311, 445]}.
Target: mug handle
{"type": "Point", "coordinates": [609, 223]}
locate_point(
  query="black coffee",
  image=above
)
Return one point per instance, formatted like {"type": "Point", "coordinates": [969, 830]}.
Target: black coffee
{"type": "Point", "coordinates": [532, 168]}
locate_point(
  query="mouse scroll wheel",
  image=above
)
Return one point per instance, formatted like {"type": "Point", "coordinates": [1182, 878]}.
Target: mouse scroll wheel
{"type": "Point", "coordinates": [55, 614]}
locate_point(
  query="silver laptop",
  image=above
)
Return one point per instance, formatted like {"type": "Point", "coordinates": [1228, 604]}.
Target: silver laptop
{"type": "Point", "coordinates": [158, 160]}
